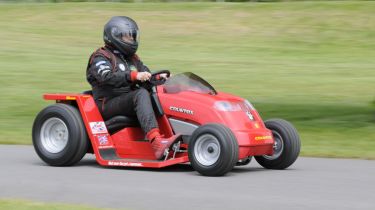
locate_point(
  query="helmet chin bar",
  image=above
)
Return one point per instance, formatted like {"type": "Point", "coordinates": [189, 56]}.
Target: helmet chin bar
{"type": "Point", "coordinates": [126, 49]}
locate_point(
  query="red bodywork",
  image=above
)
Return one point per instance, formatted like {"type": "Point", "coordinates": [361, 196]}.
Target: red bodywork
{"type": "Point", "coordinates": [132, 150]}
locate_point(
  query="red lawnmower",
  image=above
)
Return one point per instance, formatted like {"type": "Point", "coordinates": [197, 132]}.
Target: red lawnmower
{"type": "Point", "coordinates": [217, 130]}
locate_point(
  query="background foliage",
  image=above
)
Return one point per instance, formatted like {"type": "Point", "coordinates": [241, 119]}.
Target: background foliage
{"type": "Point", "coordinates": [309, 62]}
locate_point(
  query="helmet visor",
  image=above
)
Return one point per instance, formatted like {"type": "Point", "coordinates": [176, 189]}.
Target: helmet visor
{"type": "Point", "coordinates": [129, 36]}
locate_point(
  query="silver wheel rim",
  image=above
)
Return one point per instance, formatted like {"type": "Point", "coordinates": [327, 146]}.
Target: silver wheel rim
{"type": "Point", "coordinates": [278, 146]}
{"type": "Point", "coordinates": [207, 149]}
{"type": "Point", "coordinates": [54, 135]}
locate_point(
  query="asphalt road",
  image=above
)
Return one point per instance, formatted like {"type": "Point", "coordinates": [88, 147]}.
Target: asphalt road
{"type": "Point", "coordinates": [311, 183]}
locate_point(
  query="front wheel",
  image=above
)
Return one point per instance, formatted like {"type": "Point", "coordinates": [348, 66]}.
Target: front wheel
{"type": "Point", "coordinates": [213, 150]}
{"type": "Point", "coordinates": [286, 147]}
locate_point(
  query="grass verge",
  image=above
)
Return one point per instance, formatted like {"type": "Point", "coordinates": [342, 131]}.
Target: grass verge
{"type": "Point", "coordinates": [308, 62]}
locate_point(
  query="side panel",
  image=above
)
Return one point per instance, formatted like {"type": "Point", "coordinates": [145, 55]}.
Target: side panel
{"type": "Point", "coordinates": [127, 143]}
{"type": "Point", "coordinates": [182, 127]}
{"type": "Point", "coordinates": [94, 123]}
{"type": "Point", "coordinates": [96, 129]}
{"type": "Point", "coordinates": [130, 144]}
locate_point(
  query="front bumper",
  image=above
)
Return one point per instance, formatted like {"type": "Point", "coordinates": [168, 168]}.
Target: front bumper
{"type": "Point", "coordinates": [254, 142]}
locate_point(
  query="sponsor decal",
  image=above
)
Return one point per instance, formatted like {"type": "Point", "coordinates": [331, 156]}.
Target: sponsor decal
{"type": "Point", "coordinates": [250, 116]}
{"type": "Point", "coordinates": [132, 67]}
{"type": "Point", "coordinates": [103, 139]}
{"type": "Point", "coordinates": [105, 147]}
{"type": "Point", "coordinates": [120, 163]}
{"type": "Point", "coordinates": [102, 67]}
{"type": "Point", "coordinates": [98, 127]}
{"type": "Point", "coordinates": [259, 138]}
{"type": "Point", "coordinates": [121, 66]}
{"type": "Point", "coordinates": [105, 71]}
{"type": "Point", "coordinates": [100, 63]}
{"type": "Point", "coordinates": [182, 110]}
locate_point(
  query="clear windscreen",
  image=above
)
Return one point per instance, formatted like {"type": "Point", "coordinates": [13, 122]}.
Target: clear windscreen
{"type": "Point", "coordinates": [188, 82]}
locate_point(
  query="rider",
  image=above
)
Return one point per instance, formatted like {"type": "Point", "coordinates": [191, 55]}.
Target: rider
{"type": "Point", "coordinates": [113, 72]}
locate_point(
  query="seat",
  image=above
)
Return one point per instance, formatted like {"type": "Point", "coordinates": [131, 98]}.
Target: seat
{"type": "Point", "coordinates": [118, 122]}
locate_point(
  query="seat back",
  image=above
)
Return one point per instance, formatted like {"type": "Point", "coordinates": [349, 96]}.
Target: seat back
{"type": "Point", "coordinates": [87, 92]}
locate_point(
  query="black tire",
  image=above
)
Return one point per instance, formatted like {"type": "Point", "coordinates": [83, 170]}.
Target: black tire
{"type": "Point", "coordinates": [76, 141]}
{"type": "Point", "coordinates": [221, 142]}
{"type": "Point", "coordinates": [290, 147]}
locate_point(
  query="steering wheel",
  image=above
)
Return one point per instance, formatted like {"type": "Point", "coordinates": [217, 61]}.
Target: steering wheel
{"type": "Point", "coordinates": [154, 80]}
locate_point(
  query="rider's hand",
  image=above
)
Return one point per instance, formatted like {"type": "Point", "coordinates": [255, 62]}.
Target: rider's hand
{"type": "Point", "coordinates": [143, 76]}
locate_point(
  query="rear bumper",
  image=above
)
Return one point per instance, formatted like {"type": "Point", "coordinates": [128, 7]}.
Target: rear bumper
{"type": "Point", "coordinates": [254, 142]}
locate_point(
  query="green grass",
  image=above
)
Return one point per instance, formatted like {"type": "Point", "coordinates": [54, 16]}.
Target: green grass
{"type": "Point", "coordinates": [32, 205]}
{"type": "Point", "coordinates": [309, 62]}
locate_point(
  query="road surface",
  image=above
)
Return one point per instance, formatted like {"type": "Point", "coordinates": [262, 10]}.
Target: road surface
{"type": "Point", "coordinates": [311, 183]}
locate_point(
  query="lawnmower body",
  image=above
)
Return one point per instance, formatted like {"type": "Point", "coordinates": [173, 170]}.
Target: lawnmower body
{"type": "Point", "coordinates": [184, 110]}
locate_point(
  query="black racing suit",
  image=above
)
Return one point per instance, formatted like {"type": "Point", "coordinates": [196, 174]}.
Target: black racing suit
{"type": "Point", "coordinates": [112, 78]}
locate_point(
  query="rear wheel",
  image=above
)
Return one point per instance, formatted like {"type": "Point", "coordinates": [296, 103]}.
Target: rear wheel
{"type": "Point", "coordinates": [213, 150]}
{"type": "Point", "coordinates": [286, 147]}
{"type": "Point", "coordinates": [59, 135]}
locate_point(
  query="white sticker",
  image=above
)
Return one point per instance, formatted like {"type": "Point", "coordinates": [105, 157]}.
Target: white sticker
{"type": "Point", "coordinates": [122, 67]}
{"type": "Point", "coordinates": [98, 127]}
{"type": "Point", "coordinates": [102, 67]}
{"type": "Point", "coordinates": [120, 163]}
{"type": "Point", "coordinates": [100, 63]}
{"type": "Point", "coordinates": [103, 139]}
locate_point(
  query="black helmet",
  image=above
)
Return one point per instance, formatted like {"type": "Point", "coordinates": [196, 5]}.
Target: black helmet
{"type": "Point", "coordinates": [122, 33]}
